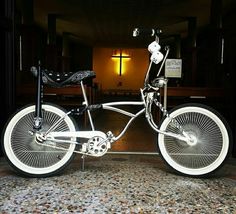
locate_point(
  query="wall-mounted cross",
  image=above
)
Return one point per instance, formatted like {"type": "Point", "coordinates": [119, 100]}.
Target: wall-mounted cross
{"type": "Point", "coordinates": [121, 57]}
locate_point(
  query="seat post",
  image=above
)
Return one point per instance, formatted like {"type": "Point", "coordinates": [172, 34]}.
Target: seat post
{"type": "Point", "coordinates": [39, 97]}
{"type": "Point", "coordinates": [87, 104]}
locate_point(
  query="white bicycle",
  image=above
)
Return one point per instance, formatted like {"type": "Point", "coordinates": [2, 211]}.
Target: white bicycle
{"type": "Point", "coordinates": [41, 139]}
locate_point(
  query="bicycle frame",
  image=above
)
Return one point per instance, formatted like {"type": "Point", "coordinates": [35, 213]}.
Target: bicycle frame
{"type": "Point", "coordinates": [147, 98]}
{"type": "Point", "coordinates": [89, 134]}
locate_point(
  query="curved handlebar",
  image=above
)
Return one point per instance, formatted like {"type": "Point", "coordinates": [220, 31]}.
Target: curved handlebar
{"type": "Point", "coordinates": [146, 32]}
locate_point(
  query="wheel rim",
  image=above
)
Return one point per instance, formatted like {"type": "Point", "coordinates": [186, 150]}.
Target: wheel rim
{"type": "Point", "coordinates": [208, 150]}
{"type": "Point", "coordinates": [26, 154]}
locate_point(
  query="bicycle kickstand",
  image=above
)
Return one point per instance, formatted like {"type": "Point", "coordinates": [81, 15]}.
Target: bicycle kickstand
{"type": "Point", "coordinates": [83, 162]}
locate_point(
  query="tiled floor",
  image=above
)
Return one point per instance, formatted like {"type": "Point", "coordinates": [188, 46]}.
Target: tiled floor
{"type": "Point", "coordinates": [120, 183]}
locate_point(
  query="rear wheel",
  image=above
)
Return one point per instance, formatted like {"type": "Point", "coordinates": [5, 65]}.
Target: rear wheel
{"type": "Point", "coordinates": [30, 158]}
{"type": "Point", "coordinates": [211, 140]}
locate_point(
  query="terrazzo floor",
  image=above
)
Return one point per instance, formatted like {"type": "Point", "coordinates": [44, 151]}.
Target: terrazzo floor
{"type": "Point", "coordinates": [118, 184]}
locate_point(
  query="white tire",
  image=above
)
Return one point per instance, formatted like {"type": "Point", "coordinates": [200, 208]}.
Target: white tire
{"type": "Point", "coordinates": [211, 145]}
{"type": "Point", "coordinates": [24, 154]}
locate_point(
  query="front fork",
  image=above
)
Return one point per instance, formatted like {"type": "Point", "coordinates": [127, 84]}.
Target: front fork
{"type": "Point", "coordinates": [149, 98]}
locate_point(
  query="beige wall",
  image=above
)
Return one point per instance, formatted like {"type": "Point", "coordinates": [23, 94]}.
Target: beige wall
{"type": "Point", "coordinates": [107, 69]}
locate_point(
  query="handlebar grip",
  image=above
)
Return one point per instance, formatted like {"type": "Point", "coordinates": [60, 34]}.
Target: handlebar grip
{"type": "Point", "coordinates": [146, 32]}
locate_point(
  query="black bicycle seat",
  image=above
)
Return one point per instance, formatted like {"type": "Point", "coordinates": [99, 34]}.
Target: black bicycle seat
{"type": "Point", "coordinates": [56, 79]}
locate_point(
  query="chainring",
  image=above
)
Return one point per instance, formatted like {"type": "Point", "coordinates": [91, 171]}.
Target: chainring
{"type": "Point", "coordinates": [97, 146]}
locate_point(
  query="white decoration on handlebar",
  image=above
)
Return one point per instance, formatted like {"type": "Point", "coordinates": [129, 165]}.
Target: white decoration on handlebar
{"type": "Point", "coordinates": [154, 47]}
{"type": "Point", "coordinates": [156, 57]}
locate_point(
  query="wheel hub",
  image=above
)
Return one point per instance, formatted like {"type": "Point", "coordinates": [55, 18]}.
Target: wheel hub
{"type": "Point", "coordinates": [192, 139]}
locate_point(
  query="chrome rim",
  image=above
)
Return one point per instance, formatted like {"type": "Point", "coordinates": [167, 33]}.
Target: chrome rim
{"type": "Point", "coordinates": [27, 150]}
{"type": "Point", "coordinates": [207, 136]}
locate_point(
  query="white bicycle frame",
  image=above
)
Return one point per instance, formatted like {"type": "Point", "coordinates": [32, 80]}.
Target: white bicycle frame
{"type": "Point", "coordinates": [112, 107]}
{"type": "Point", "coordinates": [147, 98]}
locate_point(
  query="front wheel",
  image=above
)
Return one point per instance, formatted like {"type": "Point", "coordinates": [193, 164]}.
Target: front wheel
{"type": "Point", "coordinates": [21, 149]}
{"type": "Point", "coordinates": [210, 134]}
